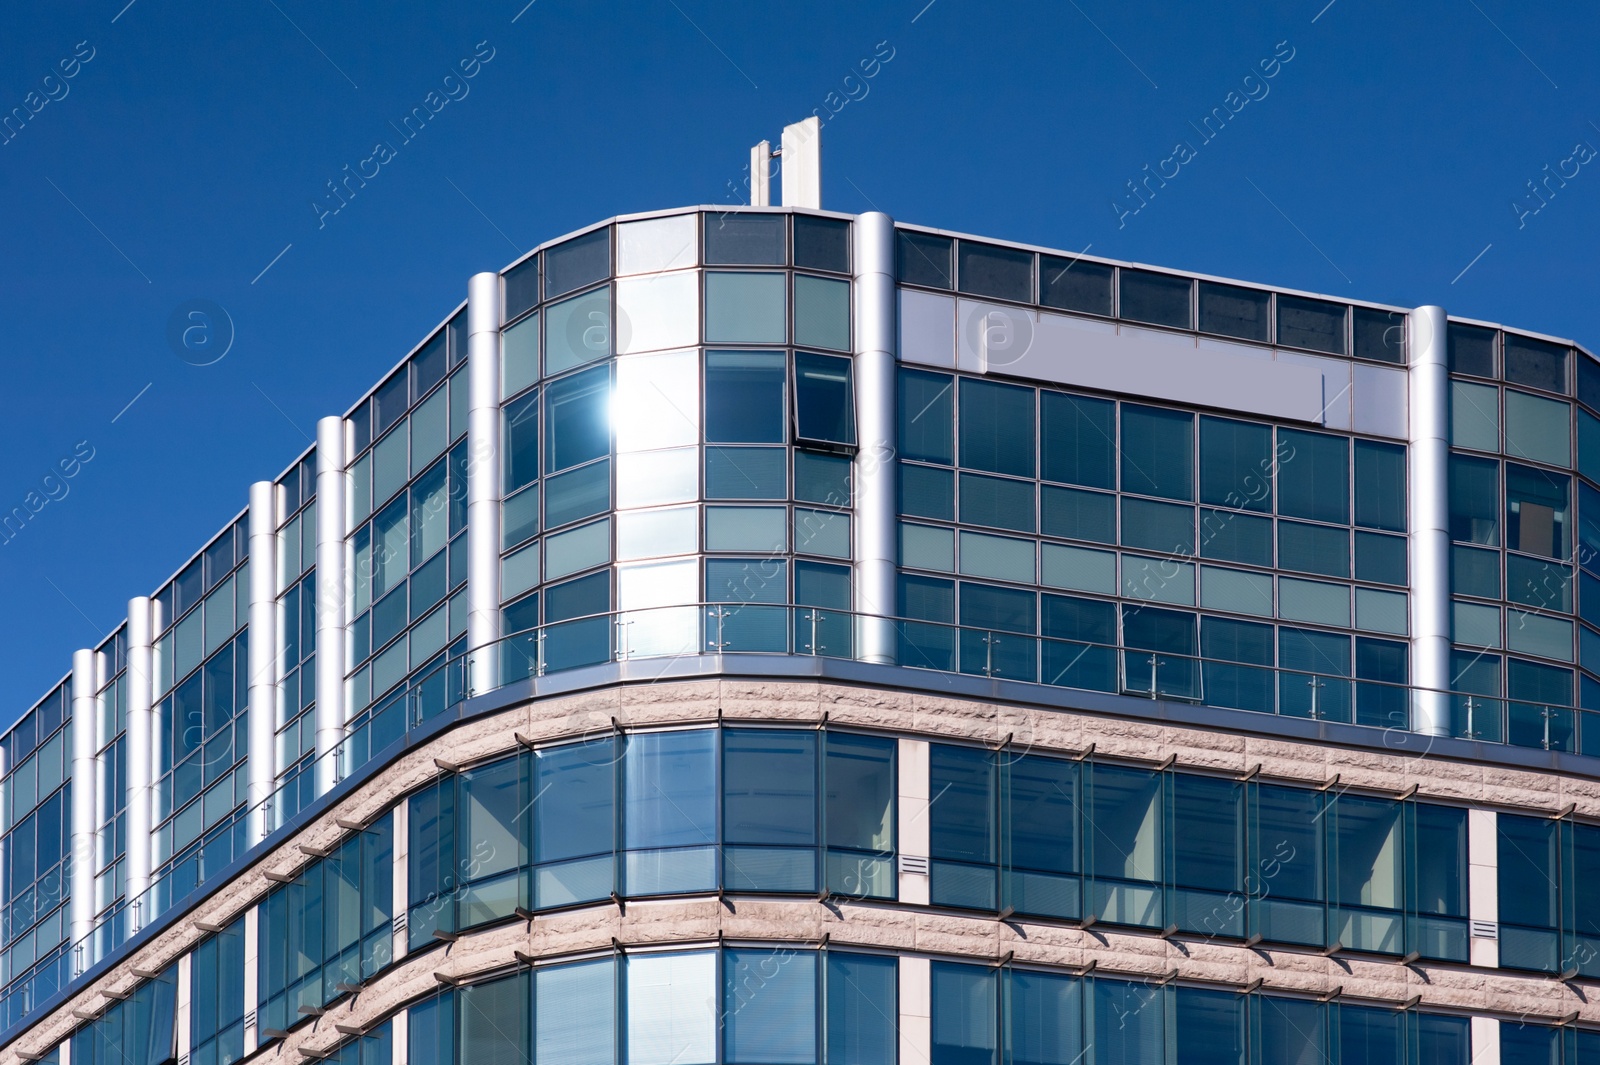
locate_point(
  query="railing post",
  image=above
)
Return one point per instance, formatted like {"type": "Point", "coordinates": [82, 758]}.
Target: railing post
{"type": "Point", "coordinates": [1154, 661]}
{"type": "Point", "coordinates": [719, 643]}
{"type": "Point", "coordinates": [1316, 685]}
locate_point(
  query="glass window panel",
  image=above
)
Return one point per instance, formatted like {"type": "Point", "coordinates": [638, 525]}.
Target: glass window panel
{"type": "Point", "coordinates": [1475, 500]}
{"type": "Point", "coordinates": [744, 397]}
{"type": "Point", "coordinates": [1077, 515]}
{"type": "Point", "coordinates": [1536, 583]}
{"type": "Point", "coordinates": [1077, 439]}
{"type": "Point", "coordinates": [821, 244]}
{"type": "Point", "coordinates": [1234, 311]}
{"type": "Point", "coordinates": [747, 529]}
{"type": "Point", "coordinates": [1536, 363]}
{"type": "Point", "coordinates": [822, 478]}
{"type": "Point", "coordinates": [1242, 593]}
{"type": "Point", "coordinates": [1471, 350]}
{"type": "Point", "coordinates": [577, 494]}
{"type": "Point", "coordinates": [1158, 579]}
{"type": "Point", "coordinates": [522, 441]}
{"type": "Point", "coordinates": [1314, 324]}
{"type": "Point", "coordinates": [519, 357]}
{"type": "Point", "coordinates": [1321, 549]}
{"type": "Point", "coordinates": [1157, 452]}
{"type": "Point", "coordinates": [1380, 558]}
{"type": "Point", "coordinates": [1159, 299]}
{"type": "Point", "coordinates": [1128, 1023]}
{"type": "Point", "coordinates": [927, 409]}
{"type": "Point", "coordinates": [1075, 285]}
{"type": "Point", "coordinates": [577, 331]}
{"type": "Point", "coordinates": [995, 501]}
{"type": "Point", "coordinates": [736, 238]}
{"type": "Point", "coordinates": [574, 1014]}
{"type": "Point", "coordinates": [1588, 380]}
{"type": "Point", "coordinates": [730, 580]}
{"type": "Point", "coordinates": [389, 402]}
{"type": "Point", "coordinates": [1475, 416]}
{"type": "Point", "coordinates": [572, 815]}
{"type": "Point", "coordinates": [1234, 537]}
{"type": "Point", "coordinates": [922, 547]}
{"type": "Point", "coordinates": [1236, 464]}
{"type": "Point", "coordinates": [1042, 809]}
{"type": "Point", "coordinates": [1125, 810]}
{"type": "Point", "coordinates": [1155, 526]}
{"type": "Point", "coordinates": [670, 789]}
{"type": "Point", "coordinates": [656, 401]}
{"type": "Point", "coordinates": [1536, 511]}
{"type": "Point", "coordinates": [430, 430]}
{"type": "Point", "coordinates": [1530, 1044]}
{"type": "Point", "coordinates": [746, 473]}
{"type": "Point", "coordinates": [430, 518]}
{"type": "Point", "coordinates": [924, 259]}
{"type": "Point", "coordinates": [648, 533]}
{"type": "Point", "coordinates": [997, 427]}
{"type": "Point", "coordinates": [653, 312]}
{"type": "Point", "coordinates": [578, 549]}
{"type": "Point", "coordinates": [1044, 1018]}
{"type": "Point", "coordinates": [656, 477]}
{"type": "Point", "coordinates": [656, 244]}
{"type": "Point", "coordinates": [391, 465]}
{"type": "Point", "coordinates": [522, 288]}
{"type": "Point", "coordinates": [1539, 429]}
{"type": "Point", "coordinates": [770, 1007]}
{"type": "Point", "coordinates": [862, 1019]}
{"type": "Point", "coordinates": [824, 400]}
{"type": "Point", "coordinates": [822, 532]}
{"type": "Point", "coordinates": [1208, 830]}
{"type": "Point", "coordinates": [1380, 335]}
{"type": "Point", "coordinates": [745, 308]}
{"type": "Point", "coordinates": [822, 312]}
{"type": "Point", "coordinates": [391, 548]}
{"type": "Point", "coordinates": [1588, 445]}
{"type": "Point", "coordinates": [577, 419]}
{"type": "Point", "coordinates": [961, 821]}
{"type": "Point", "coordinates": [964, 1014]}
{"type": "Point", "coordinates": [1313, 476]}
{"type": "Point", "coordinates": [520, 517]}
{"type": "Point", "coordinates": [578, 262]}
{"type": "Point", "coordinates": [672, 1009]}
{"type": "Point", "coordinates": [990, 270]}
{"type": "Point", "coordinates": [1314, 601]}
{"type": "Point", "coordinates": [997, 557]}
{"type": "Point", "coordinates": [1380, 488]}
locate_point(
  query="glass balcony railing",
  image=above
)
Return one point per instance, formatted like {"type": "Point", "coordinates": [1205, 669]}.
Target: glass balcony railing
{"type": "Point", "coordinates": [742, 628]}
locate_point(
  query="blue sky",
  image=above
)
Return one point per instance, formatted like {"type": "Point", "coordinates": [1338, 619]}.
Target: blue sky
{"type": "Point", "coordinates": [183, 156]}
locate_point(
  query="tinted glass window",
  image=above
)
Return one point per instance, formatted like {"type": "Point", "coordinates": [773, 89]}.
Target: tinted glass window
{"type": "Point", "coordinates": [1313, 476]}
{"type": "Point", "coordinates": [1233, 311]}
{"type": "Point", "coordinates": [580, 261]}
{"type": "Point", "coordinates": [578, 418]}
{"type": "Point", "coordinates": [1536, 363]}
{"type": "Point", "coordinates": [1380, 485]}
{"type": "Point", "coordinates": [522, 288]}
{"type": "Point", "coordinates": [1471, 350]}
{"type": "Point", "coordinates": [1004, 273]}
{"type": "Point", "coordinates": [824, 401]}
{"type": "Point", "coordinates": [924, 259]}
{"type": "Point", "coordinates": [744, 397]}
{"type": "Point", "coordinates": [1159, 299]}
{"type": "Point", "coordinates": [1075, 285]}
{"type": "Point", "coordinates": [1380, 335]}
{"type": "Point", "coordinates": [821, 243]}
{"type": "Point", "coordinates": [735, 239]}
{"type": "Point", "coordinates": [1314, 324]}
{"type": "Point", "coordinates": [1157, 452]}
{"type": "Point", "coordinates": [927, 411]}
{"type": "Point", "coordinates": [1078, 438]}
{"type": "Point", "coordinates": [1236, 464]}
{"type": "Point", "coordinates": [997, 427]}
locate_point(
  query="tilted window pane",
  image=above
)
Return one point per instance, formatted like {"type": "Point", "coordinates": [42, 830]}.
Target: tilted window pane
{"type": "Point", "coordinates": [1290, 1032]}
{"type": "Point", "coordinates": [1537, 516]}
{"type": "Point", "coordinates": [745, 397]}
{"type": "Point", "coordinates": [1314, 324]}
{"type": "Point", "coordinates": [1380, 488]}
{"type": "Point", "coordinates": [997, 427]}
{"type": "Point", "coordinates": [1368, 860]}
{"type": "Point", "coordinates": [924, 259]}
{"type": "Point", "coordinates": [1537, 364]}
{"type": "Point", "coordinates": [1078, 440]}
{"type": "Point", "coordinates": [1475, 416]}
{"type": "Point", "coordinates": [1159, 299]}
{"type": "Point", "coordinates": [821, 244]}
{"type": "Point", "coordinates": [734, 238]}
{"type": "Point", "coordinates": [573, 819]}
{"type": "Point", "coordinates": [670, 791]}
{"type": "Point", "coordinates": [1380, 335]}
{"type": "Point", "coordinates": [1233, 311]}
{"type": "Point", "coordinates": [1157, 452]}
{"type": "Point", "coordinates": [1475, 502]}
{"type": "Point", "coordinates": [1313, 476]}
{"type": "Point", "coordinates": [580, 261]}
{"type": "Point", "coordinates": [1075, 285]}
{"type": "Point", "coordinates": [989, 270]}
{"type": "Point", "coordinates": [656, 244]}
{"type": "Point", "coordinates": [747, 308]}
{"type": "Point", "coordinates": [824, 400]}
{"type": "Point", "coordinates": [769, 1007]}
{"type": "Point", "coordinates": [522, 441]}
{"type": "Point", "coordinates": [927, 408]}
{"type": "Point", "coordinates": [578, 419]}
{"type": "Point", "coordinates": [1236, 464]}
{"type": "Point", "coordinates": [1471, 350]}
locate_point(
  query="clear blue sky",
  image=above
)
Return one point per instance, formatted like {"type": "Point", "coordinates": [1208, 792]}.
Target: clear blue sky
{"type": "Point", "coordinates": [186, 154]}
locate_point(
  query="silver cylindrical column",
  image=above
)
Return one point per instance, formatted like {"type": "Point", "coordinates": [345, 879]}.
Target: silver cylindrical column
{"type": "Point", "coordinates": [334, 590]}
{"type": "Point", "coordinates": [483, 481]}
{"type": "Point", "coordinates": [1428, 473]}
{"type": "Point", "coordinates": [85, 716]}
{"type": "Point", "coordinates": [263, 655]}
{"type": "Point", "coordinates": [141, 683]}
{"type": "Point", "coordinates": [875, 518]}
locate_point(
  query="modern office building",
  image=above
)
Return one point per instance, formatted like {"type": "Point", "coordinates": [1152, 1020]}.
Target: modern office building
{"type": "Point", "coordinates": [769, 636]}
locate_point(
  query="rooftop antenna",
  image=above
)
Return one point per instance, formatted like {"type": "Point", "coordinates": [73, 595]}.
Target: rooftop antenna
{"type": "Point", "coordinates": [801, 151]}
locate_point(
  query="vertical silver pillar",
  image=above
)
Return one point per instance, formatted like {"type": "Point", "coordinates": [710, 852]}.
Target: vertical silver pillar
{"type": "Point", "coordinates": [141, 680]}
{"type": "Point", "coordinates": [334, 589]}
{"type": "Point", "coordinates": [875, 518]}
{"type": "Point", "coordinates": [263, 650]}
{"type": "Point", "coordinates": [761, 175]}
{"type": "Point", "coordinates": [85, 717]}
{"type": "Point", "coordinates": [1428, 474]}
{"type": "Point", "coordinates": [802, 164]}
{"type": "Point", "coordinates": [483, 480]}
